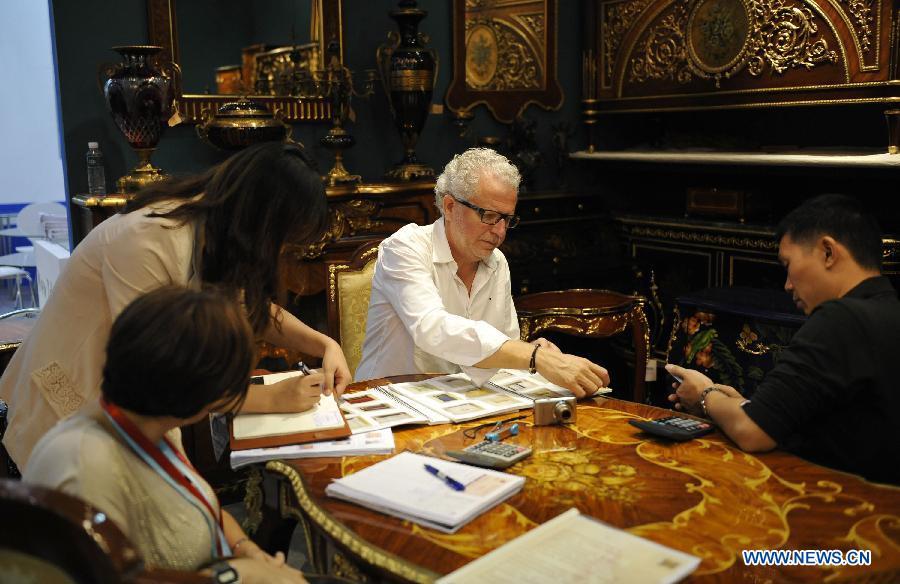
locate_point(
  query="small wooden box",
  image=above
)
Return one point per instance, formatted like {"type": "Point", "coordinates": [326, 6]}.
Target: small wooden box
{"type": "Point", "coordinates": [717, 202]}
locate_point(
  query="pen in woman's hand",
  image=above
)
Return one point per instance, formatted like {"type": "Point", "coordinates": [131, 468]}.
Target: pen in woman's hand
{"type": "Point", "coordinates": [301, 366]}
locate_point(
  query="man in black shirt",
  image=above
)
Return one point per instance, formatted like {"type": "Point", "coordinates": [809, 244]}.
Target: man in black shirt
{"type": "Point", "coordinates": [833, 397]}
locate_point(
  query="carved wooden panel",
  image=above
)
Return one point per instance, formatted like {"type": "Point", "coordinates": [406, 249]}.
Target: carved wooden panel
{"type": "Point", "coordinates": [687, 54]}
{"type": "Point", "coordinates": [504, 56]}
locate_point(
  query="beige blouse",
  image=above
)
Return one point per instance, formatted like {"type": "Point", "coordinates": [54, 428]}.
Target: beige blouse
{"type": "Point", "coordinates": [58, 369]}
{"type": "Point", "coordinates": [82, 457]}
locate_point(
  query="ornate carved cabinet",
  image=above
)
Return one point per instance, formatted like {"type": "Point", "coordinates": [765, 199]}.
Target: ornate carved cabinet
{"type": "Point", "coordinates": [356, 213]}
{"type": "Point", "coordinates": [689, 54]}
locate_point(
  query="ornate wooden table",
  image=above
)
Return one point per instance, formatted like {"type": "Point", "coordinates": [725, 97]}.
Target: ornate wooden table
{"type": "Point", "coordinates": [704, 497]}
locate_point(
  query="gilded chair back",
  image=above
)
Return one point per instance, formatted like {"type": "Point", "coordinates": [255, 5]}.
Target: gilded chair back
{"type": "Point", "coordinates": [589, 313]}
{"type": "Point", "coordinates": [349, 288]}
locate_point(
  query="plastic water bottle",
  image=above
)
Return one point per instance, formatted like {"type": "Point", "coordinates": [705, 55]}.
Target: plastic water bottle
{"type": "Point", "coordinates": [96, 174]}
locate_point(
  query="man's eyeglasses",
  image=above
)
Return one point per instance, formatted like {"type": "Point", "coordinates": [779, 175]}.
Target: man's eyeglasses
{"type": "Point", "coordinates": [490, 217]}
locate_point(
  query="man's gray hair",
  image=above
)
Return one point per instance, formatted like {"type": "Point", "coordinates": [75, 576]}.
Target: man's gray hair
{"type": "Point", "coordinates": [461, 175]}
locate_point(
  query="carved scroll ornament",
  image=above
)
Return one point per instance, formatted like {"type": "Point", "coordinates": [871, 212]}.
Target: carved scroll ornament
{"type": "Point", "coordinates": [716, 39]}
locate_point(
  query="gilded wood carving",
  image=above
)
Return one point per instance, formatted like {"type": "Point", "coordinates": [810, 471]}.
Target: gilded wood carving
{"type": "Point", "coordinates": [691, 54]}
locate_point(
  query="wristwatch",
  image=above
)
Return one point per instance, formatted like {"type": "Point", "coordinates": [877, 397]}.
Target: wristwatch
{"type": "Point", "coordinates": [224, 573]}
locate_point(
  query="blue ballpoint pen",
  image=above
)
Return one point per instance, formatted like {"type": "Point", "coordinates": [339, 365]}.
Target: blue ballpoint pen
{"type": "Point", "coordinates": [303, 368]}
{"type": "Point", "coordinates": [454, 484]}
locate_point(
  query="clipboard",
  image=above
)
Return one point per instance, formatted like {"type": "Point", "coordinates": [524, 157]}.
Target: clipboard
{"type": "Point", "coordinates": [286, 439]}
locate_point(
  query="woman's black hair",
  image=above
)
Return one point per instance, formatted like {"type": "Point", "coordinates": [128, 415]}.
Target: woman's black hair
{"type": "Point", "coordinates": [249, 207]}
{"type": "Point", "coordinates": [174, 351]}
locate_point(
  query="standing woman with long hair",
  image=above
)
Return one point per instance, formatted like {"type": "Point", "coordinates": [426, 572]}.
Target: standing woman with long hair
{"type": "Point", "coordinates": [226, 226]}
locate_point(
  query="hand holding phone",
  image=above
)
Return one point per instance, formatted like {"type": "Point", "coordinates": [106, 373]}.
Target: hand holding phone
{"type": "Point", "coordinates": [678, 379]}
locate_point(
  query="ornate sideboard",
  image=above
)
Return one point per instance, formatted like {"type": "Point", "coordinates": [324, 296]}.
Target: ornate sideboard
{"type": "Point", "coordinates": [560, 233]}
{"type": "Point", "coordinates": [689, 254]}
{"type": "Point", "coordinates": [356, 213]}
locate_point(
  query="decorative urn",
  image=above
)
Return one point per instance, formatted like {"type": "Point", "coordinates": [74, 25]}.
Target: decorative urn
{"type": "Point", "coordinates": [239, 124]}
{"type": "Point", "coordinates": [408, 71]}
{"type": "Point", "coordinates": [139, 96]}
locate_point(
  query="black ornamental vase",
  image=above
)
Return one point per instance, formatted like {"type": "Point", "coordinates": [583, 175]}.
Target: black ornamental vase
{"type": "Point", "coordinates": [408, 71]}
{"type": "Point", "coordinates": [140, 97]}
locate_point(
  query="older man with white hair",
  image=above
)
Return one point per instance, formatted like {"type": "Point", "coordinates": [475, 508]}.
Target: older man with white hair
{"type": "Point", "coordinates": [441, 294]}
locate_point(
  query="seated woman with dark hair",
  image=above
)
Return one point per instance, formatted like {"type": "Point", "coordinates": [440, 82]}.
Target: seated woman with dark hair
{"type": "Point", "coordinates": [173, 356]}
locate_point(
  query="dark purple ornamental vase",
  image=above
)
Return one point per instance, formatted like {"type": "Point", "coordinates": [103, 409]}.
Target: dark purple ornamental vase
{"type": "Point", "coordinates": [408, 71]}
{"type": "Point", "coordinates": [140, 97]}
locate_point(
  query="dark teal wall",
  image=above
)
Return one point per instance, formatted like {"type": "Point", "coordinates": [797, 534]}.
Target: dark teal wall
{"type": "Point", "coordinates": [86, 29]}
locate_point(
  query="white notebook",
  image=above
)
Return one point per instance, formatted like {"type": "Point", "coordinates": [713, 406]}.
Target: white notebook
{"type": "Point", "coordinates": [402, 487]}
{"type": "Point", "coordinates": [576, 548]}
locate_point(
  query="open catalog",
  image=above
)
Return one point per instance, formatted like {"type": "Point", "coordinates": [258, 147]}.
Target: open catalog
{"type": "Point", "coordinates": [444, 497]}
{"type": "Point", "coordinates": [439, 400]}
{"type": "Point", "coordinates": [577, 548]}
{"type": "Point", "coordinates": [324, 421]}
{"type": "Point", "coordinates": [449, 398]}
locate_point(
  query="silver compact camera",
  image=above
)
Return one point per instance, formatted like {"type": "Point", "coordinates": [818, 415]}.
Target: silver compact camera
{"type": "Point", "coordinates": [554, 410]}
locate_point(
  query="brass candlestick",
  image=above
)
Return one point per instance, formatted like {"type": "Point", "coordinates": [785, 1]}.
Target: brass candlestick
{"type": "Point", "coordinates": [336, 83]}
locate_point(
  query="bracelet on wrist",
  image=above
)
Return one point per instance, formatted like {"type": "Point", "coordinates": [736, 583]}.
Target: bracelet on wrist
{"type": "Point", "coordinates": [532, 365]}
{"type": "Point", "coordinates": [703, 396]}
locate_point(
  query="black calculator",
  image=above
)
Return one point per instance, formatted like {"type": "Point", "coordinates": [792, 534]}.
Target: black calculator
{"type": "Point", "coordinates": [674, 428]}
{"type": "Point", "coordinates": [491, 454]}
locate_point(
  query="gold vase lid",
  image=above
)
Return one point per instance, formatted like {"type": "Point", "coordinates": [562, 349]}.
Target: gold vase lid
{"type": "Point", "coordinates": [244, 109]}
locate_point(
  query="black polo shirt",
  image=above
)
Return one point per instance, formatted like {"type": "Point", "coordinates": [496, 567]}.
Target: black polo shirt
{"type": "Point", "coordinates": [834, 395]}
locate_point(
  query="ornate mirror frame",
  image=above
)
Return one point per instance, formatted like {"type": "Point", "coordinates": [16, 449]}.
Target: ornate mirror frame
{"type": "Point", "coordinates": [508, 51]}
{"type": "Point", "coordinates": [163, 31]}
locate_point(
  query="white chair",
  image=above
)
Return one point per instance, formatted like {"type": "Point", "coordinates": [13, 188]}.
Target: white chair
{"type": "Point", "coordinates": [30, 219]}
{"type": "Point", "coordinates": [12, 272]}
{"type": "Point", "coordinates": [37, 221]}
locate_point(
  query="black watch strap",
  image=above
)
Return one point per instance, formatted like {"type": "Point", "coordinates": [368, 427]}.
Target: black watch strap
{"type": "Point", "coordinates": [224, 573]}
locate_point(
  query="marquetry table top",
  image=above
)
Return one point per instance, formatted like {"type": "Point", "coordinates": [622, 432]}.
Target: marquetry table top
{"type": "Point", "coordinates": [704, 497]}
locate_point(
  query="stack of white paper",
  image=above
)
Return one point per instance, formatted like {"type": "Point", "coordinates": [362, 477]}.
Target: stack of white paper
{"type": "Point", "coordinates": [370, 443]}
{"type": "Point", "coordinates": [577, 548]}
{"type": "Point", "coordinates": [401, 486]}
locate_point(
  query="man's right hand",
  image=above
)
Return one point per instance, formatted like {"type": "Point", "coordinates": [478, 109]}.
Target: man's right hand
{"type": "Point", "coordinates": [577, 374]}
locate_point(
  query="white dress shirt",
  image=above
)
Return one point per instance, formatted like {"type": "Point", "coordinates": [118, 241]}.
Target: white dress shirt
{"type": "Point", "coordinates": [422, 318]}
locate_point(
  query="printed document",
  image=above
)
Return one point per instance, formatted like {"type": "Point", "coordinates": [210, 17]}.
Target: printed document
{"type": "Point", "coordinates": [576, 548]}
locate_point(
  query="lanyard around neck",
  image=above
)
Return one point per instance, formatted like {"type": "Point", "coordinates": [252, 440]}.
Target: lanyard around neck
{"type": "Point", "coordinates": [173, 468]}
